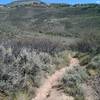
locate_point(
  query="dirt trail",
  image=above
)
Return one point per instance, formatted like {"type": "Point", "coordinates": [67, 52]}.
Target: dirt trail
{"type": "Point", "coordinates": [44, 90]}
{"type": "Point", "coordinates": [58, 95]}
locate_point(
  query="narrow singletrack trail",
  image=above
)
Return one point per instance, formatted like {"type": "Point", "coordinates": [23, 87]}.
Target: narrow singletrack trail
{"type": "Point", "coordinates": [44, 90]}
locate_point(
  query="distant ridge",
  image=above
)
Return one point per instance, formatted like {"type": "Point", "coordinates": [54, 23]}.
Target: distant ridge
{"type": "Point", "coordinates": [26, 2]}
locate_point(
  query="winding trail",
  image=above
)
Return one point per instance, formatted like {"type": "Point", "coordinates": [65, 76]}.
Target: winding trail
{"type": "Point", "coordinates": [44, 90]}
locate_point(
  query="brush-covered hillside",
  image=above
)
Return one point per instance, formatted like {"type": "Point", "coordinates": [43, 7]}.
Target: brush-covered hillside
{"type": "Point", "coordinates": [65, 21]}
{"type": "Point", "coordinates": [38, 41]}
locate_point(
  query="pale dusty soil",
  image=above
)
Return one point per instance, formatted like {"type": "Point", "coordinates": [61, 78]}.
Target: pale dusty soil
{"type": "Point", "coordinates": [46, 92]}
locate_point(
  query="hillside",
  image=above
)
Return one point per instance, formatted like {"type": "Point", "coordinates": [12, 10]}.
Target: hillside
{"type": "Point", "coordinates": [26, 3]}
{"type": "Point", "coordinates": [49, 52]}
{"type": "Point", "coordinates": [70, 21]}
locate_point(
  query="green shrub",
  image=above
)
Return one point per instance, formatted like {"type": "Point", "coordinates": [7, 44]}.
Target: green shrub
{"type": "Point", "coordinates": [71, 83]}
{"type": "Point", "coordinates": [94, 65]}
{"type": "Point", "coordinates": [85, 60]}
{"type": "Point", "coordinates": [22, 95]}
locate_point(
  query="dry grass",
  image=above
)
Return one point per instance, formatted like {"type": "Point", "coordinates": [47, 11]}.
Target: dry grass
{"type": "Point", "coordinates": [22, 95]}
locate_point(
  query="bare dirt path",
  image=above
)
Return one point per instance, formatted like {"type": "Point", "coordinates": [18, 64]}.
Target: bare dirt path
{"type": "Point", "coordinates": [44, 90]}
{"type": "Point", "coordinates": [58, 95]}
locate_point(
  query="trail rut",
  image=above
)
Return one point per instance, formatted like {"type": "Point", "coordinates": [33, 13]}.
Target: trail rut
{"type": "Point", "coordinates": [44, 90]}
